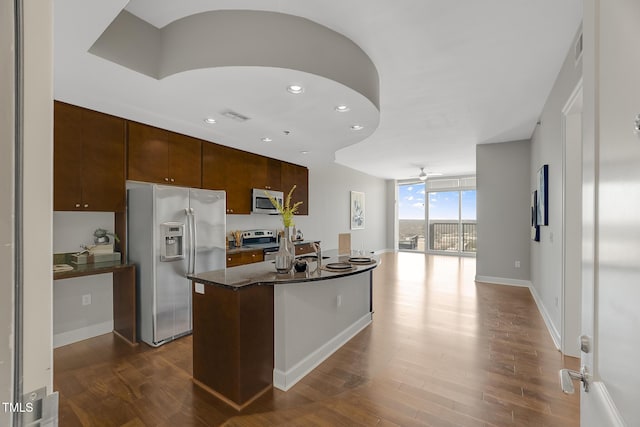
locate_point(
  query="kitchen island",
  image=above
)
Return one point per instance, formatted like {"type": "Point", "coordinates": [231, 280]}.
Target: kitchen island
{"type": "Point", "coordinates": [254, 329]}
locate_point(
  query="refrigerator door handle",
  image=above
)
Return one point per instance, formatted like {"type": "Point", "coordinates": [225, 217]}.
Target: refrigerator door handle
{"type": "Point", "coordinates": [190, 242]}
{"type": "Point", "coordinates": [193, 241]}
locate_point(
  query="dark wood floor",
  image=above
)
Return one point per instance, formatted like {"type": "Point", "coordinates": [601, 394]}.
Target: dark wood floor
{"type": "Point", "coordinates": [442, 351]}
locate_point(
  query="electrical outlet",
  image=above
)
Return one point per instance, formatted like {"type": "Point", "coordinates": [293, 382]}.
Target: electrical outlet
{"type": "Point", "coordinates": [517, 264]}
{"type": "Point", "coordinates": [338, 300]}
{"type": "Point", "coordinates": [86, 299]}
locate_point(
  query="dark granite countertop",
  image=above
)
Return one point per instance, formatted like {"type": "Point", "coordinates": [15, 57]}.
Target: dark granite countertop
{"type": "Point", "coordinates": [84, 269]}
{"type": "Point", "coordinates": [265, 245]}
{"type": "Point", "coordinates": [264, 273]}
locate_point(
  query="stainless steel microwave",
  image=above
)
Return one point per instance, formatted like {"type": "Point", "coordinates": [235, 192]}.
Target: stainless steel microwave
{"type": "Point", "coordinates": [261, 204]}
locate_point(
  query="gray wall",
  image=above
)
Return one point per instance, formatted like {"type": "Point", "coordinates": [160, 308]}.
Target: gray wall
{"type": "Point", "coordinates": [503, 209]}
{"type": "Point", "coordinates": [71, 320]}
{"type": "Point", "coordinates": [329, 192]}
{"type": "Point", "coordinates": [547, 148]}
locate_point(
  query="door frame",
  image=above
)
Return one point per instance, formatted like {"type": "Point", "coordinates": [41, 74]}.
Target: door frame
{"type": "Point", "coordinates": [571, 292]}
{"type": "Point", "coordinates": [9, 377]}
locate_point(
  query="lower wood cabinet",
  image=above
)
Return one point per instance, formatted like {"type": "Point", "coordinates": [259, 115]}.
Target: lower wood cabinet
{"type": "Point", "coordinates": [304, 248]}
{"type": "Point", "coordinates": [233, 342]}
{"type": "Point", "coordinates": [244, 257]}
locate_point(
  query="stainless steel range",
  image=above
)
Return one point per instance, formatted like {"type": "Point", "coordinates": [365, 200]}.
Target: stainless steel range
{"type": "Point", "coordinates": [266, 240]}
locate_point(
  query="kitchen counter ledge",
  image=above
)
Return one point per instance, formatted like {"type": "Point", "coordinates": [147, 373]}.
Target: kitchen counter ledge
{"type": "Point", "coordinates": [263, 273]}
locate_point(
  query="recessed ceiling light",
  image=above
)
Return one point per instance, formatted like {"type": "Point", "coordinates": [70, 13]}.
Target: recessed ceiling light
{"type": "Point", "coordinates": [342, 108]}
{"type": "Point", "coordinates": [209, 120]}
{"type": "Point", "coordinates": [304, 152]}
{"type": "Point", "coordinates": [265, 139]}
{"type": "Point", "coordinates": [357, 127]}
{"type": "Point", "coordinates": [295, 89]}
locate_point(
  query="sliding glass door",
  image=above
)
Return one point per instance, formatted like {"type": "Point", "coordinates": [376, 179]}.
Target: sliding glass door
{"type": "Point", "coordinates": [446, 224]}
{"type": "Point", "coordinates": [411, 216]}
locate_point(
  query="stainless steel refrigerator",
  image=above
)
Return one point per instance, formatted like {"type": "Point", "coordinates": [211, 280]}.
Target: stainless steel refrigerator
{"type": "Point", "coordinates": [172, 231]}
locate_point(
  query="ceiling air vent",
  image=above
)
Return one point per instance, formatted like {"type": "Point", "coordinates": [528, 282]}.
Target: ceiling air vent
{"type": "Point", "coordinates": [235, 116]}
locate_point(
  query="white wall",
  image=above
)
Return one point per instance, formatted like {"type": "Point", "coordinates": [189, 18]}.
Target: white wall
{"type": "Point", "coordinates": [71, 320]}
{"type": "Point", "coordinates": [329, 198]}
{"type": "Point", "coordinates": [547, 148]}
{"type": "Point", "coordinates": [612, 102]}
{"type": "Point", "coordinates": [38, 195]}
{"type": "Point", "coordinates": [503, 212]}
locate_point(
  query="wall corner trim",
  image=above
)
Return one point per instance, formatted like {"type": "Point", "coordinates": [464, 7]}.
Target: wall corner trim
{"type": "Point", "coordinates": [555, 335]}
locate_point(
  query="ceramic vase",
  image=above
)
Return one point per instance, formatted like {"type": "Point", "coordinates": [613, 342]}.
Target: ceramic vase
{"type": "Point", "coordinates": [285, 256]}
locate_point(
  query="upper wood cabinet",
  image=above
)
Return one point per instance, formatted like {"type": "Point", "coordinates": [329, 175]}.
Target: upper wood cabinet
{"type": "Point", "coordinates": [265, 173]}
{"type": "Point", "coordinates": [157, 155]}
{"type": "Point", "coordinates": [89, 160]}
{"type": "Point", "coordinates": [228, 169]}
{"type": "Point", "coordinates": [291, 175]}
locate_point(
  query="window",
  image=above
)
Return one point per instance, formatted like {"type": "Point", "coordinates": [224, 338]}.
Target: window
{"type": "Point", "coordinates": [447, 223]}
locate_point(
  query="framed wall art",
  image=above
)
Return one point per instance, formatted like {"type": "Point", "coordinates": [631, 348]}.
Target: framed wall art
{"type": "Point", "coordinates": [535, 228]}
{"type": "Point", "coordinates": [357, 210]}
{"type": "Point", "coordinates": [543, 196]}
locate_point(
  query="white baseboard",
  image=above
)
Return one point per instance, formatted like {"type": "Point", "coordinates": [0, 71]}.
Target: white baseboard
{"type": "Point", "coordinates": [76, 335]}
{"type": "Point", "coordinates": [555, 335]}
{"type": "Point", "coordinates": [504, 281]}
{"type": "Point", "coordinates": [385, 250]}
{"type": "Point", "coordinates": [285, 380]}
{"type": "Point", "coordinates": [606, 411]}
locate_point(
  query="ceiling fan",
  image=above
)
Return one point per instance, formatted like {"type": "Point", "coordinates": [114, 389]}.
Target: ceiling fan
{"type": "Point", "coordinates": [424, 175]}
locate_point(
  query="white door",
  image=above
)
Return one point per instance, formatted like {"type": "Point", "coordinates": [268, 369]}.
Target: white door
{"type": "Point", "coordinates": [611, 212]}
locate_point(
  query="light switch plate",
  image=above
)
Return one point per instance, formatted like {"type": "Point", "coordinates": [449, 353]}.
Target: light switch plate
{"type": "Point", "coordinates": [199, 288]}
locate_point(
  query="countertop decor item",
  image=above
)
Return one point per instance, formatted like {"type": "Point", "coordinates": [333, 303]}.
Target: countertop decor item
{"type": "Point", "coordinates": [101, 236]}
{"type": "Point", "coordinates": [285, 210]}
{"type": "Point", "coordinates": [300, 265]}
{"type": "Point", "coordinates": [237, 238]}
{"type": "Point", "coordinates": [285, 257]}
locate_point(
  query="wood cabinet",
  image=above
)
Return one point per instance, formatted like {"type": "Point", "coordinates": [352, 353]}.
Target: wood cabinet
{"type": "Point", "coordinates": [299, 176]}
{"type": "Point", "coordinates": [228, 169]}
{"type": "Point", "coordinates": [304, 248]}
{"type": "Point", "coordinates": [88, 160]}
{"type": "Point", "coordinates": [233, 342]}
{"type": "Point", "coordinates": [244, 257]}
{"type": "Point", "coordinates": [160, 156]}
{"type": "Point", "coordinates": [266, 173]}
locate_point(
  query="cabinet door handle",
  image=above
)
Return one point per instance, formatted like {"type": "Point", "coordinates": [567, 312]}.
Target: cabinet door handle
{"type": "Point", "coordinates": [77, 205]}
{"type": "Point", "coordinates": [86, 205]}
{"type": "Point", "coordinates": [228, 259]}
{"type": "Point", "coordinates": [172, 180]}
{"type": "Point", "coordinates": [166, 179]}
{"type": "Point", "coordinates": [253, 255]}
